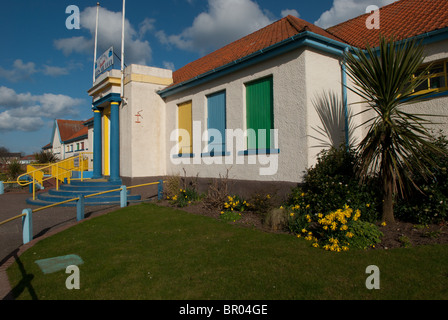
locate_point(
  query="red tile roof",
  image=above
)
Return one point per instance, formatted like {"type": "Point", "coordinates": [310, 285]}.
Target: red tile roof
{"type": "Point", "coordinates": [402, 19]}
{"type": "Point", "coordinates": [70, 129]}
{"type": "Point", "coordinates": [261, 39]}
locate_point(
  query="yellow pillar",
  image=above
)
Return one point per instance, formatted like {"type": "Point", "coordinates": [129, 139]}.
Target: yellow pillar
{"type": "Point", "coordinates": [106, 141]}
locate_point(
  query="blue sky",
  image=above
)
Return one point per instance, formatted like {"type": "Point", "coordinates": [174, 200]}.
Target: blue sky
{"type": "Point", "coordinates": [46, 69]}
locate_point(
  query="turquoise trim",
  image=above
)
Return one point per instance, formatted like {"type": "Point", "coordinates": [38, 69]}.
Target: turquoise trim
{"type": "Point", "coordinates": [97, 146]}
{"type": "Point", "coordinates": [114, 142]}
{"type": "Point", "coordinates": [258, 151]}
{"type": "Point", "coordinates": [183, 155]}
{"type": "Point", "coordinates": [77, 139]}
{"type": "Point", "coordinates": [111, 97]}
{"type": "Point", "coordinates": [430, 37]}
{"type": "Point", "coordinates": [215, 154]}
{"type": "Point", "coordinates": [306, 38]}
{"type": "Point", "coordinates": [345, 102]}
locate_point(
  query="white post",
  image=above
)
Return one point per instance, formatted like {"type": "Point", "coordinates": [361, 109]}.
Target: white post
{"type": "Point", "coordinates": [122, 49]}
{"type": "Point", "coordinates": [96, 41]}
{"type": "Point", "coordinates": [27, 226]}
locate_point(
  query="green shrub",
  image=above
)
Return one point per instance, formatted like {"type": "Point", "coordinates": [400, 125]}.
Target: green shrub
{"type": "Point", "coordinates": [184, 197]}
{"type": "Point", "coordinates": [233, 208]}
{"type": "Point", "coordinates": [261, 203]}
{"type": "Point", "coordinates": [365, 235]}
{"type": "Point", "coordinates": [300, 216]}
{"type": "Point", "coordinates": [230, 216]}
{"type": "Point", "coordinates": [430, 203]}
{"type": "Point", "coordinates": [332, 183]}
{"type": "Point", "coordinates": [339, 230]}
{"type": "Point", "coordinates": [45, 157]}
{"type": "Point", "coordinates": [15, 169]}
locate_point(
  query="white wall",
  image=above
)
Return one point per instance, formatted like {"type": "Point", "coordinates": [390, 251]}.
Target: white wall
{"type": "Point", "coordinates": [435, 106]}
{"type": "Point", "coordinates": [290, 117]}
{"type": "Point", "coordinates": [58, 148]}
{"type": "Point", "coordinates": [142, 145]}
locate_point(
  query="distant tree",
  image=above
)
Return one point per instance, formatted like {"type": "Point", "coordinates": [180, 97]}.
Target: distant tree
{"type": "Point", "coordinates": [44, 157]}
{"type": "Point", "coordinates": [15, 169]}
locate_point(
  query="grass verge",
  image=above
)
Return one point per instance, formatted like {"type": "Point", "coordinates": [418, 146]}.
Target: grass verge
{"type": "Point", "coordinates": [158, 253]}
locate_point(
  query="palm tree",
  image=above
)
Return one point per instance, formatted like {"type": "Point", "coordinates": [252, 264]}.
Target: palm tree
{"type": "Point", "coordinates": [45, 157]}
{"type": "Point", "coordinates": [386, 80]}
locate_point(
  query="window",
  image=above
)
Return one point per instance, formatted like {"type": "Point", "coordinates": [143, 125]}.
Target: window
{"type": "Point", "coordinates": [437, 78]}
{"type": "Point", "coordinates": [216, 123]}
{"type": "Point", "coordinates": [260, 113]}
{"type": "Point", "coordinates": [186, 128]}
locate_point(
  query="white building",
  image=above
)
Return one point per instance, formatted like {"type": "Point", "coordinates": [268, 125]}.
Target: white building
{"type": "Point", "coordinates": [70, 137]}
{"type": "Point", "coordinates": [266, 80]}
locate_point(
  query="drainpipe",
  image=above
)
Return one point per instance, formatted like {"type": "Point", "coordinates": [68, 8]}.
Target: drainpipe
{"type": "Point", "coordinates": [344, 98]}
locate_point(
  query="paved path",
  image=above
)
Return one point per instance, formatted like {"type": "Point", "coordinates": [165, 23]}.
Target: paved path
{"type": "Point", "coordinates": [45, 223]}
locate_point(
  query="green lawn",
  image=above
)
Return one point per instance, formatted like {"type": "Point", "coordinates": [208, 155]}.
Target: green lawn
{"type": "Point", "coordinates": [152, 252]}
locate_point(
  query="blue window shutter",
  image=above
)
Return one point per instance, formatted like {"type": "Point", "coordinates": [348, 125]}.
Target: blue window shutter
{"type": "Point", "coordinates": [217, 120]}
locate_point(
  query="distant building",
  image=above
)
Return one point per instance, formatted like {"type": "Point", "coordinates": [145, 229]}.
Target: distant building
{"type": "Point", "coordinates": [27, 159]}
{"type": "Point", "coordinates": [70, 137]}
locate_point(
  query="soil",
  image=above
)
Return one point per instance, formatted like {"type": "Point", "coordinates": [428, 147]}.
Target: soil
{"type": "Point", "coordinates": [397, 235]}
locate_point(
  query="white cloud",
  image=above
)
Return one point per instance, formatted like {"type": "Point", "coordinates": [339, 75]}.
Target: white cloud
{"type": "Point", "coordinates": [109, 34]}
{"type": "Point", "coordinates": [146, 26]}
{"type": "Point", "coordinates": [55, 71]}
{"type": "Point", "coordinates": [11, 123]}
{"type": "Point", "coordinates": [74, 44]}
{"type": "Point", "coordinates": [169, 65]}
{"type": "Point", "coordinates": [343, 10]}
{"type": "Point", "coordinates": [20, 71]}
{"type": "Point", "coordinates": [26, 112]}
{"type": "Point", "coordinates": [225, 21]}
{"type": "Point", "coordinates": [292, 12]}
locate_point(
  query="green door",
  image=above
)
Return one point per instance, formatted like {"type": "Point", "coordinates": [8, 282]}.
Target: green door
{"type": "Point", "coordinates": [259, 112]}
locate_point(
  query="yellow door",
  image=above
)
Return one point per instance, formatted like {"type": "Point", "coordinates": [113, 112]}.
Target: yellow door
{"type": "Point", "coordinates": [185, 123]}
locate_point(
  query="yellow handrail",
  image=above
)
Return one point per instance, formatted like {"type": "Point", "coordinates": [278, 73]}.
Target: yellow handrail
{"type": "Point", "coordinates": [76, 199]}
{"type": "Point", "coordinates": [60, 171]}
{"type": "Point", "coordinates": [55, 204]}
{"type": "Point", "coordinates": [12, 219]}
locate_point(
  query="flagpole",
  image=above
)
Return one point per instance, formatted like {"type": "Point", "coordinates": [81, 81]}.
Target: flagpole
{"type": "Point", "coordinates": [122, 50]}
{"type": "Point", "coordinates": [96, 41]}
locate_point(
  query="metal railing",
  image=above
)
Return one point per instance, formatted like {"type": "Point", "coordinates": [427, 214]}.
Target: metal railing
{"type": "Point", "coordinates": [27, 214]}
{"type": "Point", "coordinates": [60, 171]}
